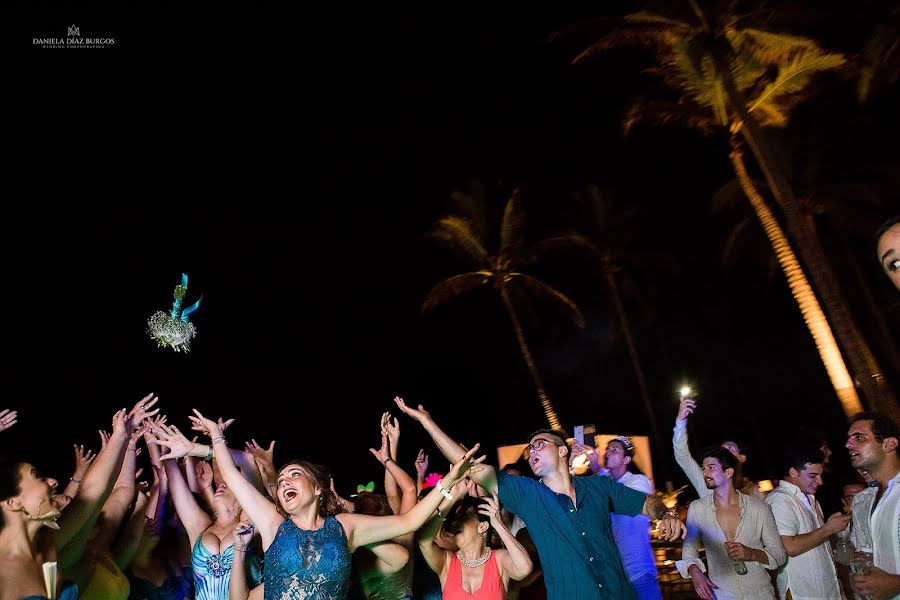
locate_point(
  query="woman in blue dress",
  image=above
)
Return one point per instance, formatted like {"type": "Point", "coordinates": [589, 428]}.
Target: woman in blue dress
{"type": "Point", "coordinates": [307, 539]}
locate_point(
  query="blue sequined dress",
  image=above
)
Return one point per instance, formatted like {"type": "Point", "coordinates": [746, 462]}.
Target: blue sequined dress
{"type": "Point", "coordinates": [308, 565]}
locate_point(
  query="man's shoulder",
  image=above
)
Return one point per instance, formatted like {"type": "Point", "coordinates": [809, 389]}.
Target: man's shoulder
{"type": "Point", "coordinates": [777, 496]}
{"type": "Point", "coordinates": [867, 495]}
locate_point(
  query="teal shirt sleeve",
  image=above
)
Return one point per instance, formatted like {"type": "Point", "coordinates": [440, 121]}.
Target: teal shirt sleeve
{"type": "Point", "coordinates": [622, 500]}
{"type": "Point", "coordinates": [512, 491]}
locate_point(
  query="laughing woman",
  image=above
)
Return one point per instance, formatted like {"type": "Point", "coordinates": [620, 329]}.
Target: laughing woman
{"type": "Point", "coordinates": [307, 539]}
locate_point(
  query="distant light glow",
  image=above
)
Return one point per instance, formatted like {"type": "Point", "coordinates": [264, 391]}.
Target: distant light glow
{"type": "Point", "coordinates": [765, 486]}
{"type": "Point", "coordinates": [685, 391]}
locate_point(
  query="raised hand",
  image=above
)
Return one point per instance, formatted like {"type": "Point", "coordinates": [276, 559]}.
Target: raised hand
{"type": "Point", "coordinates": [141, 411]}
{"type": "Point", "coordinates": [686, 407]}
{"type": "Point", "coordinates": [384, 453]}
{"type": "Point", "coordinates": [490, 506]}
{"type": "Point", "coordinates": [462, 468]}
{"type": "Point", "coordinates": [422, 464]}
{"type": "Point", "coordinates": [204, 425]}
{"type": "Point", "coordinates": [154, 424]}
{"type": "Point", "coordinates": [173, 440]}
{"type": "Point", "coordinates": [465, 488]}
{"type": "Point", "coordinates": [421, 415]}
{"type": "Point", "coordinates": [104, 435]}
{"type": "Point", "coordinates": [8, 418]}
{"type": "Point", "coordinates": [393, 434]}
{"type": "Point", "coordinates": [204, 474]}
{"type": "Point", "coordinates": [83, 460]}
{"type": "Point", "coordinates": [223, 425]}
{"type": "Point", "coordinates": [264, 456]}
{"type": "Point", "coordinates": [242, 533]}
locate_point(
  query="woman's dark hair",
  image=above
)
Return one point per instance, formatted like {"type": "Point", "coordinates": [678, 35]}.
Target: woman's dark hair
{"type": "Point", "coordinates": [321, 476]}
{"type": "Point", "coordinates": [467, 510]}
{"type": "Point", "coordinates": [375, 505]}
{"type": "Point", "coordinates": [887, 225]}
{"type": "Point", "coordinates": [10, 480]}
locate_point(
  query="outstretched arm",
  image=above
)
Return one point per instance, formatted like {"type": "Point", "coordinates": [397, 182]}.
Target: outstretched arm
{"type": "Point", "coordinates": [259, 509]}
{"type": "Point", "coordinates": [97, 484]}
{"type": "Point", "coordinates": [363, 530]}
{"type": "Point", "coordinates": [486, 477]}
{"type": "Point", "coordinates": [409, 492]}
{"type": "Point", "coordinates": [682, 451]}
{"type": "Point", "coordinates": [124, 547]}
{"type": "Point", "coordinates": [670, 526]}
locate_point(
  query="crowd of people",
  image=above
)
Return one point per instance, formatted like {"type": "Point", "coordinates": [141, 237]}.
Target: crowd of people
{"type": "Point", "coordinates": [222, 522]}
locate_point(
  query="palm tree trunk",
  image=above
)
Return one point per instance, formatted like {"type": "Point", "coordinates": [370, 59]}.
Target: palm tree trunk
{"type": "Point", "coordinates": [802, 292]}
{"type": "Point", "coordinates": [869, 376]}
{"type": "Point", "coordinates": [529, 361]}
{"type": "Point", "coordinates": [639, 374]}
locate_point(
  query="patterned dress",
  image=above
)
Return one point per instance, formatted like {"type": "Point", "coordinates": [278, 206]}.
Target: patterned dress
{"type": "Point", "coordinates": [212, 572]}
{"type": "Point", "coordinates": [308, 565]}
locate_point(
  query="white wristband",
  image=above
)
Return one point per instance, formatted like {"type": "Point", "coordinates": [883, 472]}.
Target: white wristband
{"type": "Point", "coordinates": [444, 490]}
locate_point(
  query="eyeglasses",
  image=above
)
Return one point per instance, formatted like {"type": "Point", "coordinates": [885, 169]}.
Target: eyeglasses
{"type": "Point", "coordinates": [538, 445]}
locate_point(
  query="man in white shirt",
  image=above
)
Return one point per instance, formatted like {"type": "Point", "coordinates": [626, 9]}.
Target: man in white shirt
{"type": "Point", "coordinates": [872, 440]}
{"type": "Point", "coordinates": [809, 572]}
{"type": "Point", "coordinates": [632, 534]}
{"type": "Point", "coordinates": [739, 534]}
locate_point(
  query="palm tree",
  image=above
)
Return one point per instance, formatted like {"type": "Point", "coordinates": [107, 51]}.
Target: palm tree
{"type": "Point", "coordinates": [733, 77]}
{"type": "Point", "coordinates": [606, 228]}
{"type": "Point", "coordinates": [502, 271]}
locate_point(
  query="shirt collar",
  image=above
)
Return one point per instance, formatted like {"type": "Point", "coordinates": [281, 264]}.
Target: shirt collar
{"type": "Point", "coordinates": [790, 488]}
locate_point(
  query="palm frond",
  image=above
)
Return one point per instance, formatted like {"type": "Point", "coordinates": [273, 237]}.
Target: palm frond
{"type": "Point", "coordinates": [457, 232]}
{"type": "Point", "coordinates": [694, 70]}
{"type": "Point", "coordinates": [472, 205]}
{"type": "Point", "coordinates": [644, 17]}
{"type": "Point", "coordinates": [512, 229]}
{"type": "Point", "coordinates": [540, 289]}
{"type": "Point", "coordinates": [774, 48]}
{"type": "Point", "coordinates": [795, 77]}
{"type": "Point", "coordinates": [629, 37]}
{"type": "Point", "coordinates": [454, 286]}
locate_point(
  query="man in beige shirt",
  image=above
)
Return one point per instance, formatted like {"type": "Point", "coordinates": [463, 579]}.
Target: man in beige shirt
{"type": "Point", "coordinates": [739, 535]}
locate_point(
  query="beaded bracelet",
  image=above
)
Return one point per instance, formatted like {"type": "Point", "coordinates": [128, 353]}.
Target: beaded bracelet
{"type": "Point", "coordinates": [219, 439]}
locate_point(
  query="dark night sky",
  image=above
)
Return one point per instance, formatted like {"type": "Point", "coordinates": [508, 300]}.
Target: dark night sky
{"type": "Point", "coordinates": [292, 167]}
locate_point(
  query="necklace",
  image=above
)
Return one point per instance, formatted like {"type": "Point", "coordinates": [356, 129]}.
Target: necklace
{"type": "Point", "coordinates": [474, 563]}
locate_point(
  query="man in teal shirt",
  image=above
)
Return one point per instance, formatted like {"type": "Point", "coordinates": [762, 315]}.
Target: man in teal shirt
{"type": "Point", "coordinates": [567, 518]}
